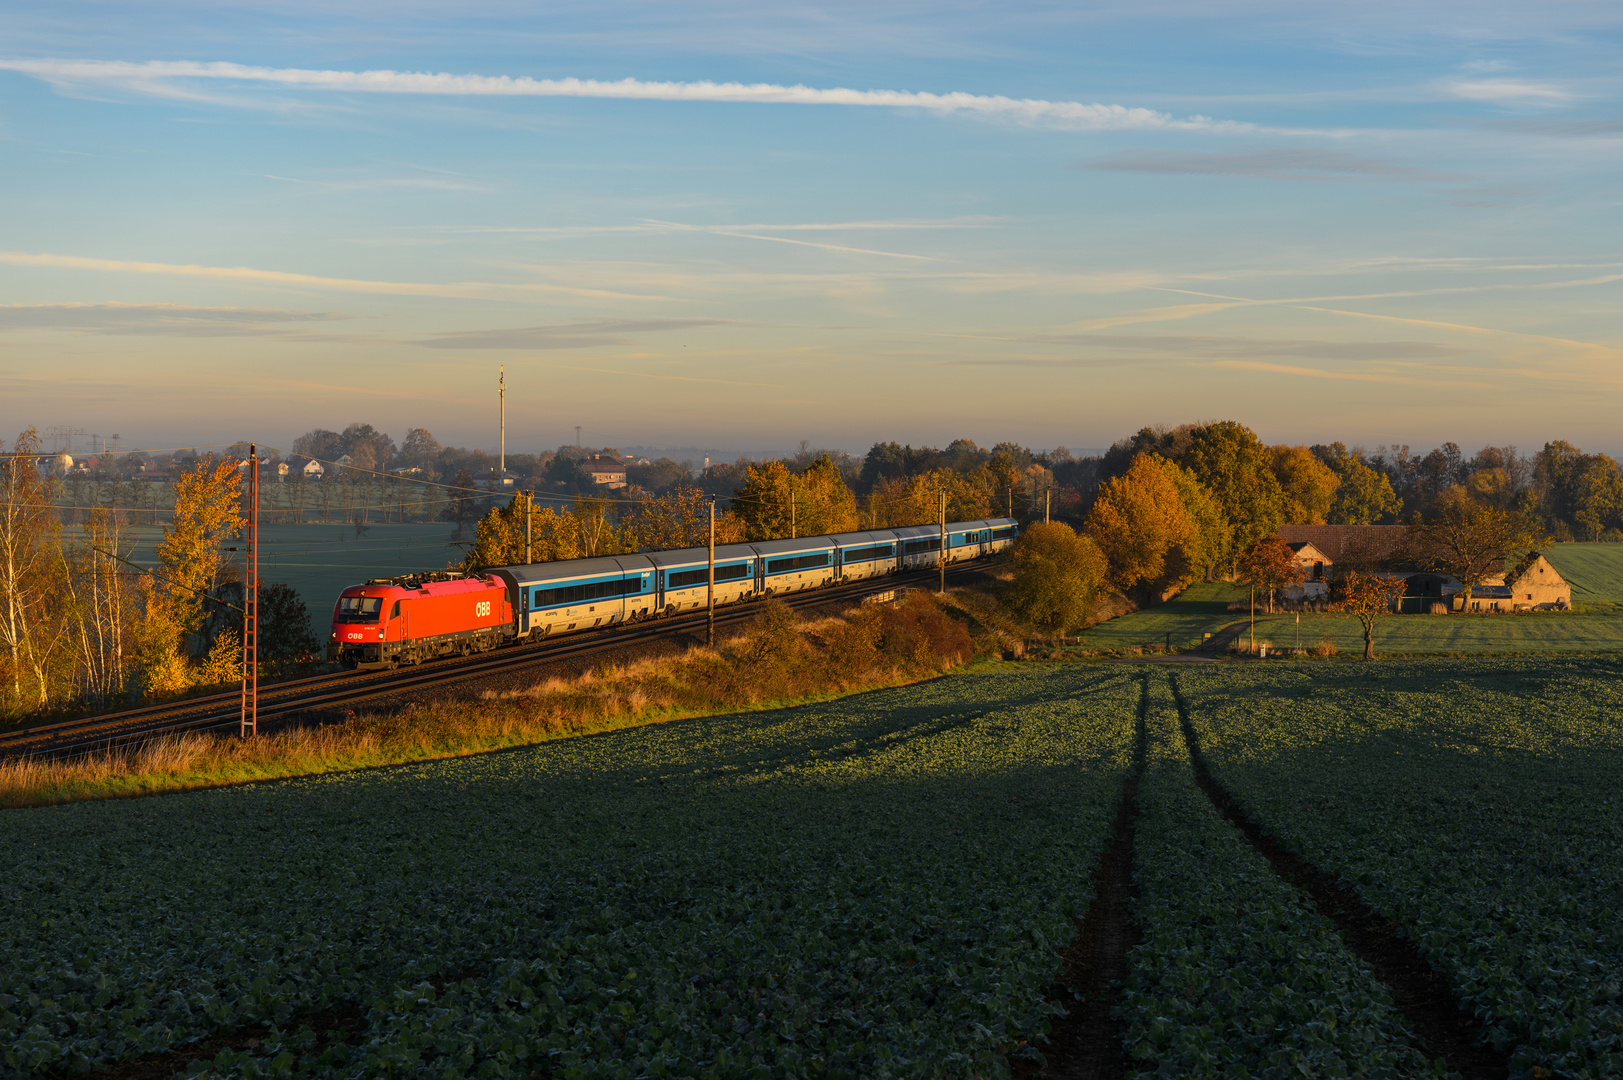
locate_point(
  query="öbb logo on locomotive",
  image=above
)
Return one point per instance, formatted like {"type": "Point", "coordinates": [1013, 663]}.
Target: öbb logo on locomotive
{"type": "Point", "coordinates": [409, 619]}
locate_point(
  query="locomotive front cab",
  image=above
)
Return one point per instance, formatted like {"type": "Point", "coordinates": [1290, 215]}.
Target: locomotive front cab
{"type": "Point", "coordinates": [360, 627]}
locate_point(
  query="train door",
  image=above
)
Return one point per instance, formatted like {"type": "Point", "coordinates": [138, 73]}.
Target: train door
{"type": "Point", "coordinates": [659, 588]}
{"type": "Point", "coordinates": [760, 574]}
{"type": "Point", "coordinates": [839, 563]}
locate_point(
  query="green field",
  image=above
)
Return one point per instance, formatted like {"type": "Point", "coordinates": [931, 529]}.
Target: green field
{"type": "Point", "coordinates": [1596, 625]}
{"type": "Point", "coordinates": [320, 561]}
{"type": "Point", "coordinates": [1477, 803]}
{"type": "Point", "coordinates": [875, 887]}
{"type": "Point", "coordinates": [1452, 635]}
{"type": "Point", "coordinates": [1595, 571]}
{"type": "Point", "coordinates": [1200, 609]}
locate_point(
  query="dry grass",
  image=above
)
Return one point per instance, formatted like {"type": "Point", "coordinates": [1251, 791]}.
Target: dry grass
{"type": "Point", "coordinates": [776, 662]}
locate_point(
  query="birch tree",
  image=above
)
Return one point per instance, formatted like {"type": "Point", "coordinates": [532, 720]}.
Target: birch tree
{"type": "Point", "coordinates": [30, 564]}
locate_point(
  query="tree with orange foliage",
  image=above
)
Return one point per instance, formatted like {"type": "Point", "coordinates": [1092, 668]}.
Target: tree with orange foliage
{"type": "Point", "coordinates": [1270, 565]}
{"type": "Point", "coordinates": [1308, 484]}
{"type": "Point", "coordinates": [1156, 526]}
{"type": "Point", "coordinates": [680, 518]}
{"type": "Point", "coordinates": [1369, 597]}
{"type": "Point", "coordinates": [207, 511]}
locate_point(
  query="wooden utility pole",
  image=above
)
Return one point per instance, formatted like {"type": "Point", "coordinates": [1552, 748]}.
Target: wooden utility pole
{"type": "Point", "coordinates": [1047, 493]}
{"type": "Point", "coordinates": [501, 394]}
{"type": "Point", "coordinates": [249, 724]}
{"type": "Point", "coordinates": [793, 534]}
{"type": "Point", "coordinates": [1011, 502]}
{"type": "Point", "coordinates": [529, 524]}
{"type": "Point", "coordinates": [710, 599]}
{"type": "Point", "coordinates": [943, 589]}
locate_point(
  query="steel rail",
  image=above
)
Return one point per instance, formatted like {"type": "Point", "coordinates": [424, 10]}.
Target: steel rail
{"type": "Point", "coordinates": [70, 738]}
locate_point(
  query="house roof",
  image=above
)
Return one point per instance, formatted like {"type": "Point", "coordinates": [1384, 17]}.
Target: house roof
{"type": "Point", "coordinates": [1352, 543]}
{"type": "Point", "coordinates": [1306, 550]}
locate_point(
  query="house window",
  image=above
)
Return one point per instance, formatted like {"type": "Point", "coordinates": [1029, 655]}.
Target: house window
{"type": "Point", "coordinates": [1530, 596]}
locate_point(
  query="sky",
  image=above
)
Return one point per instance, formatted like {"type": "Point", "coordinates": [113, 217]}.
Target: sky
{"type": "Point", "coordinates": [738, 226]}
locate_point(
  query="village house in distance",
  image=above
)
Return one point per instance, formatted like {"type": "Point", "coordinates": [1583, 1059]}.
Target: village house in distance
{"type": "Point", "coordinates": [1532, 585]}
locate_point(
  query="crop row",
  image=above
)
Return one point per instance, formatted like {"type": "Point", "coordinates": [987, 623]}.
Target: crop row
{"type": "Point", "coordinates": [870, 888]}
{"type": "Point", "coordinates": [1236, 974]}
{"type": "Point", "coordinates": [1480, 805]}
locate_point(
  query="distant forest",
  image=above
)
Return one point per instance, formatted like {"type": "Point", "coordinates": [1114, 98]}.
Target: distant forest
{"type": "Point", "coordinates": [1569, 494]}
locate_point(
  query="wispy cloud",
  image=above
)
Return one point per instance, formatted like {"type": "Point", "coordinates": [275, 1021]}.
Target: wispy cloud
{"type": "Point", "coordinates": [1283, 163]}
{"type": "Point", "coordinates": [580, 334]}
{"type": "Point", "coordinates": [1507, 90]}
{"type": "Point", "coordinates": [482, 290]}
{"type": "Point", "coordinates": [1250, 348]}
{"type": "Point", "coordinates": [976, 221]}
{"type": "Point", "coordinates": [378, 183]}
{"type": "Point", "coordinates": [164, 76]}
{"type": "Point", "coordinates": [1319, 373]}
{"type": "Point", "coordinates": [179, 320]}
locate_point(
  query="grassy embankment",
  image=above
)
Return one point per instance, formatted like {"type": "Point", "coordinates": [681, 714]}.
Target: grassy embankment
{"type": "Point", "coordinates": [776, 662]}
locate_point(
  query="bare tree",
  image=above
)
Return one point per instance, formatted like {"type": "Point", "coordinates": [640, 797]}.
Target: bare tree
{"type": "Point", "coordinates": [1464, 538]}
{"type": "Point", "coordinates": [30, 566]}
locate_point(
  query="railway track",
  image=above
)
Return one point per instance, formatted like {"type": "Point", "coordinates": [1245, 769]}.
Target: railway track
{"type": "Point", "coordinates": [221, 712]}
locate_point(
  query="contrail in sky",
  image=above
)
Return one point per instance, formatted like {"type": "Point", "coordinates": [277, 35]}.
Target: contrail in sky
{"type": "Point", "coordinates": [151, 77]}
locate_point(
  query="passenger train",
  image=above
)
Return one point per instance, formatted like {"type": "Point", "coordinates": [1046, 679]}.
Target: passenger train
{"type": "Point", "coordinates": [406, 620]}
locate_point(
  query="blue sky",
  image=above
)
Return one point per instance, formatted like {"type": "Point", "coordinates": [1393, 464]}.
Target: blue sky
{"type": "Point", "coordinates": [713, 225]}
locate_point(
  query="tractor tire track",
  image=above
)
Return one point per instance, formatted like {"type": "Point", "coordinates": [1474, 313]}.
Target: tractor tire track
{"type": "Point", "coordinates": [1420, 991]}
{"type": "Point", "coordinates": [1086, 1044]}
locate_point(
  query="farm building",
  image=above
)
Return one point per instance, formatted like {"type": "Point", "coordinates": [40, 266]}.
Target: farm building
{"type": "Point", "coordinates": [1533, 584]}
{"type": "Point", "coordinates": [1316, 569]}
{"type": "Point", "coordinates": [1382, 549]}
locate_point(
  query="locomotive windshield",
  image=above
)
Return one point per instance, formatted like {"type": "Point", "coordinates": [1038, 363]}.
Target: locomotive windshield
{"type": "Point", "coordinates": [362, 609]}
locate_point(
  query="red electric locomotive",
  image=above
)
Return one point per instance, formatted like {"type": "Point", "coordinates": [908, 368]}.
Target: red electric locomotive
{"type": "Point", "coordinates": [406, 620]}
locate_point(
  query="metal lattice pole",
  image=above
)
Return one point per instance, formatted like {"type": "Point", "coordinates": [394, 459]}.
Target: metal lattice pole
{"type": "Point", "coordinates": [710, 601]}
{"type": "Point", "coordinates": [250, 606]}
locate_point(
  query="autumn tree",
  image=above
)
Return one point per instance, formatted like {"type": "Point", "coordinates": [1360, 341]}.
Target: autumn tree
{"type": "Point", "coordinates": [1141, 526]}
{"type": "Point", "coordinates": [916, 500]}
{"type": "Point", "coordinates": [101, 608]}
{"type": "Point", "coordinates": [499, 536]}
{"type": "Point", "coordinates": [1363, 496]}
{"type": "Point", "coordinates": [1214, 536]}
{"type": "Point", "coordinates": [1369, 597]}
{"type": "Point", "coordinates": [597, 529]}
{"type": "Point", "coordinates": [1464, 538]}
{"type": "Point", "coordinates": [1270, 565]}
{"type": "Point", "coordinates": [30, 571]}
{"type": "Point", "coordinates": [774, 503]}
{"type": "Point", "coordinates": [1056, 575]}
{"type": "Point", "coordinates": [1232, 463]}
{"type": "Point", "coordinates": [1307, 484]}
{"type": "Point", "coordinates": [680, 518]}
{"type": "Point", "coordinates": [176, 596]}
